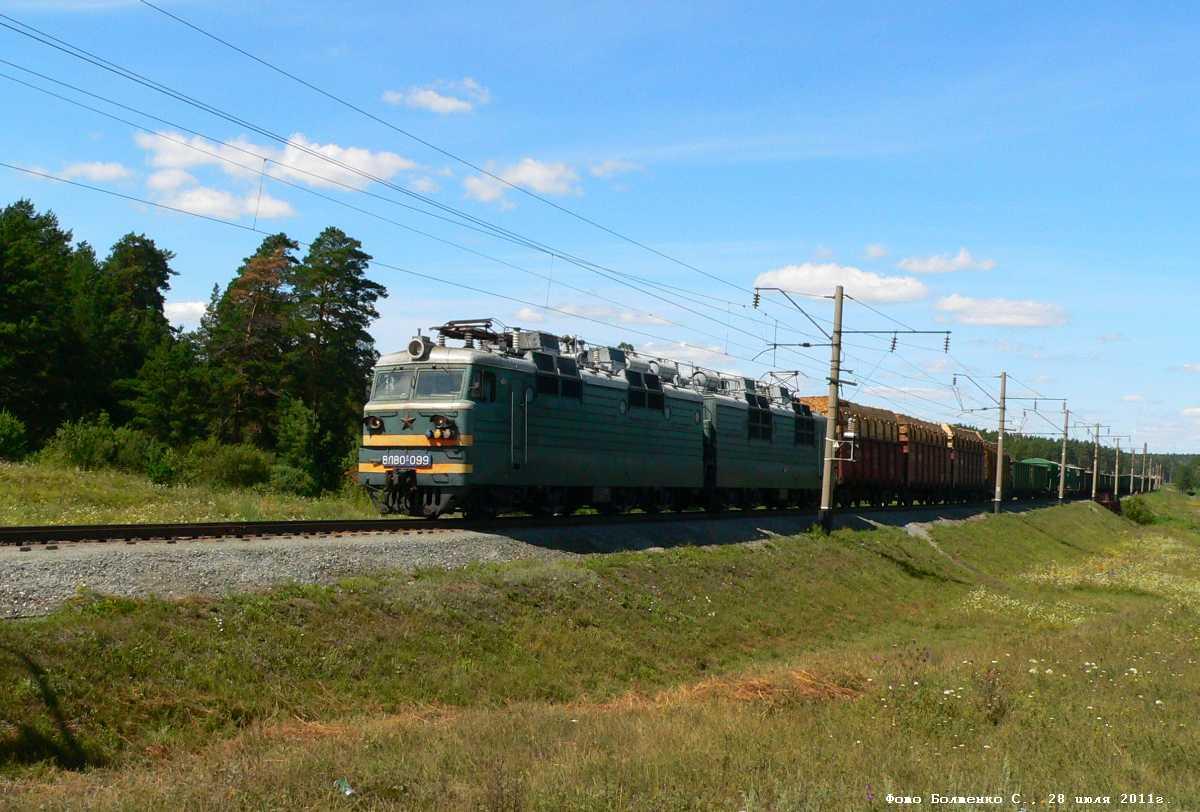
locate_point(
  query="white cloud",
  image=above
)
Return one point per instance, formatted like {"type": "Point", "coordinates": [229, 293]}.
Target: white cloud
{"type": "Point", "coordinates": [611, 314]}
{"type": "Point", "coordinates": [541, 177]}
{"type": "Point", "coordinates": [183, 313]}
{"type": "Point", "coordinates": [823, 252]}
{"type": "Point", "coordinates": [1192, 368]}
{"type": "Point", "coordinates": [424, 185]}
{"type": "Point", "coordinates": [426, 98]}
{"type": "Point", "coordinates": [1132, 398]}
{"type": "Point", "coordinates": [291, 161]}
{"type": "Point", "coordinates": [267, 207]}
{"type": "Point", "coordinates": [1002, 312]}
{"type": "Point", "coordinates": [96, 171]}
{"type": "Point", "coordinates": [821, 278]}
{"type": "Point", "coordinates": [614, 166]}
{"type": "Point", "coordinates": [709, 356]}
{"type": "Point", "coordinates": [483, 188]}
{"type": "Point", "coordinates": [944, 263]}
{"type": "Point", "coordinates": [599, 312]}
{"type": "Point", "coordinates": [442, 97]}
{"type": "Point", "coordinates": [875, 251]}
{"type": "Point", "coordinates": [211, 202]}
{"type": "Point", "coordinates": [166, 180]}
{"type": "Point", "coordinates": [530, 315]}
{"type": "Point", "coordinates": [1192, 412]}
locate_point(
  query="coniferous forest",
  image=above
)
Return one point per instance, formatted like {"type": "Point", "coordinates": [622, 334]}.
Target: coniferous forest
{"type": "Point", "coordinates": [267, 391]}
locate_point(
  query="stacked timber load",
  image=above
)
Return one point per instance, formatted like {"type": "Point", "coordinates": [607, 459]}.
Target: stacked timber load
{"type": "Point", "coordinates": [927, 469]}
{"type": "Point", "coordinates": [969, 460]}
{"type": "Point", "coordinates": [870, 466]}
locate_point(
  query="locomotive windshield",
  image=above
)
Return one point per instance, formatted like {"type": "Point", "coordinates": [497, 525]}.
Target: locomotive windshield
{"type": "Point", "coordinates": [395, 385]}
{"type": "Point", "coordinates": [439, 383]}
{"type": "Point", "coordinates": [406, 384]}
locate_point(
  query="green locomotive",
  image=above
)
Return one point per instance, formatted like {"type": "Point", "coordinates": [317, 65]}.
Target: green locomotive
{"type": "Point", "coordinates": [524, 420]}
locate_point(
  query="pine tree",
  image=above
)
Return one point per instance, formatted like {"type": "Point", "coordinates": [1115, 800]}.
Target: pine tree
{"type": "Point", "coordinates": [333, 354]}
{"type": "Point", "coordinates": [247, 341]}
{"type": "Point", "coordinates": [119, 314]}
{"type": "Point", "coordinates": [37, 357]}
{"type": "Point", "coordinates": [170, 397]}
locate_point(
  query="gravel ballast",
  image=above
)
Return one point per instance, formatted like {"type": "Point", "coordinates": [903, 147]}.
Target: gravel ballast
{"type": "Point", "coordinates": [35, 582]}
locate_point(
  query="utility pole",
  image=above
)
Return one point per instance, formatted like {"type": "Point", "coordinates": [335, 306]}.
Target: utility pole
{"type": "Point", "coordinates": [825, 514]}
{"type": "Point", "coordinates": [1095, 460]}
{"type": "Point", "coordinates": [1062, 467]}
{"type": "Point", "coordinates": [1145, 470]}
{"type": "Point", "coordinates": [1000, 449]}
{"type": "Point", "coordinates": [1117, 473]}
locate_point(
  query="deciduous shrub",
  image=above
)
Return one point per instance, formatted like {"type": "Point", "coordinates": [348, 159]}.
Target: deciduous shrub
{"type": "Point", "coordinates": [83, 444]}
{"type": "Point", "coordinates": [289, 479]}
{"type": "Point", "coordinates": [232, 466]}
{"type": "Point", "coordinates": [1136, 510]}
{"type": "Point", "coordinates": [137, 452]}
{"type": "Point", "coordinates": [13, 442]}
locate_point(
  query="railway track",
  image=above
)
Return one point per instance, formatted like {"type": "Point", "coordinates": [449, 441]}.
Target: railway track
{"type": "Point", "coordinates": [50, 536]}
{"type": "Point", "coordinates": [25, 536]}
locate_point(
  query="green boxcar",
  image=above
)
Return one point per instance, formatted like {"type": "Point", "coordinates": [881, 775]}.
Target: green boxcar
{"type": "Point", "coordinates": [1044, 481]}
{"type": "Point", "coordinates": [1031, 478]}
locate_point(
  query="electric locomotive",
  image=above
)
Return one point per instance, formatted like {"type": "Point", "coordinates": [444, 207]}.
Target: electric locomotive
{"type": "Point", "coordinates": [525, 420]}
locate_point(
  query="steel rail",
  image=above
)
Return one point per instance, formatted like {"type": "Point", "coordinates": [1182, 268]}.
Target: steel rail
{"type": "Point", "coordinates": [26, 535]}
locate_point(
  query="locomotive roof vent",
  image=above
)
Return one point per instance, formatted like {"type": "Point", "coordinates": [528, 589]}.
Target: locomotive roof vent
{"type": "Point", "coordinates": [419, 347]}
{"type": "Point", "coordinates": [536, 340]}
{"type": "Point", "coordinates": [609, 358]}
{"type": "Point", "coordinates": [707, 379]}
{"type": "Point", "coordinates": [666, 371]}
{"type": "Point", "coordinates": [779, 393]}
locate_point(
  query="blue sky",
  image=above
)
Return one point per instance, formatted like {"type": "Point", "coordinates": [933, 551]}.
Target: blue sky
{"type": "Point", "coordinates": [1022, 175]}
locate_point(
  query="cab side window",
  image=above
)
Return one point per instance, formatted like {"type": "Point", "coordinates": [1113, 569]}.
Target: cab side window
{"type": "Point", "coordinates": [483, 386]}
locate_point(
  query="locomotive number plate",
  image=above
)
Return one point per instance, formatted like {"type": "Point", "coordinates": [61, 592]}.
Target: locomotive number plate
{"type": "Point", "coordinates": [415, 460]}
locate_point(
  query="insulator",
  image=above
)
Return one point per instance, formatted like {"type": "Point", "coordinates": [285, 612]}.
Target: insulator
{"type": "Point", "coordinates": [946, 346]}
{"type": "Point", "coordinates": [893, 349]}
{"type": "Point", "coordinates": [757, 299]}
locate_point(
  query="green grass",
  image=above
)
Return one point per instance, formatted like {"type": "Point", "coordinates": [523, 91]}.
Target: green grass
{"type": "Point", "coordinates": [39, 493]}
{"type": "Point", "coordinates": [1054, 651]}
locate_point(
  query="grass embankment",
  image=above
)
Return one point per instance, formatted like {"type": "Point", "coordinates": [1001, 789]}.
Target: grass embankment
{"type": "Point", "coordinates": [40, 493]}
{"type": "Point", "coordinates": [1048, 652]}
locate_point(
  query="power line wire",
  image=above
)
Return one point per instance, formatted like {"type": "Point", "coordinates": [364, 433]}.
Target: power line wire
{"type": "Point", "coordinates": [436, 148]}
{"type": "Point", "coordinates": [501, 232]}
{"type": "Point", "coordinates": [408, 271]}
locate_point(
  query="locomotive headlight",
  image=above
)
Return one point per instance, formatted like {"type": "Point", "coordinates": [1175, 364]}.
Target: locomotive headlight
{"type": "Point", "coordinates": [373, 423]}
{"type": "Point", "coordinates": [443, 427]}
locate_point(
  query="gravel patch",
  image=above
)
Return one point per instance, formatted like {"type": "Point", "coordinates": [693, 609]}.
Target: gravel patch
{"type": "Point", "coordinates": [35, 582]}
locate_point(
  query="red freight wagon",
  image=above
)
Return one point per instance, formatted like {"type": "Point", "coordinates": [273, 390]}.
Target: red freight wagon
{"type": "Point", "coordinates": [927, 474]}
{"type": "Point", "coordinates": [875, 475]}
{"type": "Point", "coordinates": [969, 462]}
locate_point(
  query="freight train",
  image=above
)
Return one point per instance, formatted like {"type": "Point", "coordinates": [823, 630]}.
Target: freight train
{"type": "Point", "coordinates": [525, 420]}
